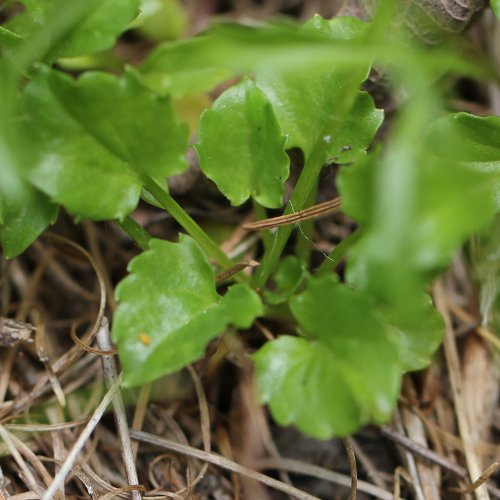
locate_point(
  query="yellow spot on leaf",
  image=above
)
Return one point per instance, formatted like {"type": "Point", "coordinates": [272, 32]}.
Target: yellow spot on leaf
{"type": "Point", "coordinates": [144, 338]}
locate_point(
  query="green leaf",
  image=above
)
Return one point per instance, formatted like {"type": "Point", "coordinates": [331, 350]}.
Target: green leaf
{"type": "Point", "coordinates": [202, 62]}
{"type": "Point", "coordinates": [173, 82]}
{"type": "Point", "coordinates": [8, 38]}
{"type": "Point", "coordinates": [169, 310]}
{"type": "Point", "coordinates": [495, 6]}
{"type": "Point", "coordinates": [241, 147]}
{"type": "Point", "coordinates": [302, 384]}
{"type": "Point", "coordinates": [460, 187]}
{"type": "Point", "coordinates": [356, 183]}
{"type": "Point", "coordinates": [417, 340]}
{"type": "Point", "coordinates": [97, 32]}
{"type": "Point", "coordinates": [92, 140]}
{"type": "Point", "coordinates": [288, 278]}
{"type": "Point", "coordinates": [418, 204]}
{"type": "Point", "coordinates": [304, 102]}
{"type": "Point", "coordinates": [284, 47]}
{"type": "Point", "coordinates": [358, 131]}
{"type": "Point", "coordinates": [161, 19]}
{"type": "Point", "coordinates": [466, 139]}
{"type": "Point", "coordinates": [338, 29]}
{"type": "Point", "coordinates": [419, 208]}
{"type": "Point", "coordinates": [485, 262]}
{"type": "Point", "coordinates": [26, 213]}
{"type": "Point", "coordinates": [455, 202]}
{"type": "Point", "coordinates": [345, 371]}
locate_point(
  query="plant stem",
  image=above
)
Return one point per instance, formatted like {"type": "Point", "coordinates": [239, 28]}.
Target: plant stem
{"type": "Point", "coordinates": [303, 245]}
{"type": "Point", "coordinates": [299, 196]}
{"type": "Point", "coordinates": [343, 105]}
{"type": "Point", "coordinates": [184, 219]}
{"type": "Point", "coordinates": [338, 253]}
{"type": "Point", "coordinates": [136, 232]}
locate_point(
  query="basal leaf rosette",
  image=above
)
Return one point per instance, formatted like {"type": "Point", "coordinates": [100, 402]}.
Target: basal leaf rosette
{"type": "Point", "coordinates": [344, 371]}
{"type": "Point", "coordinates": [169, 310]}
{"type": "Point", "coordinates": [92, 140]}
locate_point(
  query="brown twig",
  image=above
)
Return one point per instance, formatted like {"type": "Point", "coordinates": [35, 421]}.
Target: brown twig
{"type": "Point", "coordinates": [413, 427]}
{"type": "Point", "coordinates": [319, 210]}
{"type": "Point", "coordinates": [27, 474]}
{"type": "Point", "coordinates": [367, 464]}
{"type": "Point", "coordinates": [140, 412]}
{"type": "Point", "coordinates": [45, 427]}
{"type": "Point", "coordinates": [67, 359]}
{"type": "Point", "coordinates": [227, 273]}
{"type": "Point", "coordinates": [204, 423]}
{"type": "Point", "coordinates": [82, 439]}
{"type": "Point", "coordinates": [111, 376]}
{"type": "Point", "coordinates": [352, 464]}
{"type": "Point", "coordinates": [481, 479]}
{"type": "Point", "coordinates": [453, 362]}
{"type": "Point", "coordinates": [95, 251]}
{"type": "Point", "coordinates": [85, 347]}
{"type": "Point", "coordinates": [44, 358]}
{"type": "Point", "coordinates": [220, 461]}
{"type": "Point", "coordinates": [409, 460]}
{"type": "Point", "coordinates": [443, 462]}
{"type": "Point", "coordinates": [481, 330]}
{"type": "Point", "coordinates": [423, 452]}
{"type": "Point", "coordinates": [298, 467]}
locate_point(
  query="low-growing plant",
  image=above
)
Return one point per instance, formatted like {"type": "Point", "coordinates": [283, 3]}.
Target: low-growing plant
{"type": "Point", "coordinates": [97, 143]}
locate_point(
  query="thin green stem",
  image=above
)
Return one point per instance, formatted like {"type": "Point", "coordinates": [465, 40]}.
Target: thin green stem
{"type": "Point", "coordinates": [299, 196]}
{"type": "Point", "coordinates": [184, 219]}
{"type": "Point", "coordinates": [303, 245]}
{"type": "Point", "coordinates": [309, 176]}
{"type": "Point", "coordinates": [338, 253]}
{"type": "Point", "coordinates": [136, 232]}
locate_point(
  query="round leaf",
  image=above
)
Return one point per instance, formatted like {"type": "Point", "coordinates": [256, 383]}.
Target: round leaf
{"type": "Point", "coordinates": [169, 310]}
{"type": "Point", "coordinates": [241, 147]}
{"type": "Point", "coordinates": [92, 139]}
{"type": "Point", "coordinates": [306, 101]}
{"type": "Point", "coordinates": [417, 340]}
{"type": "Point", "coordinates": [345, 372]}
{"type": "Point", "coordinates": [303, 386]}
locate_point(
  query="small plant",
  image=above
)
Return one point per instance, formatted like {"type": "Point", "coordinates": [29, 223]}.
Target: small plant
{"type": "Point", "coordinates": [98, 143]}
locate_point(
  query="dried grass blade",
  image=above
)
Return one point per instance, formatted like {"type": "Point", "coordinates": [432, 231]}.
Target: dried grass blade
{"type": "Point", "coordinates": [82, 439]}
{"type": "Point", "coordinates": [221, 461]}
{"type": "Point", "coordinates": [319, 210]}
{"type": "Point", "coordinates": [111, 377]}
